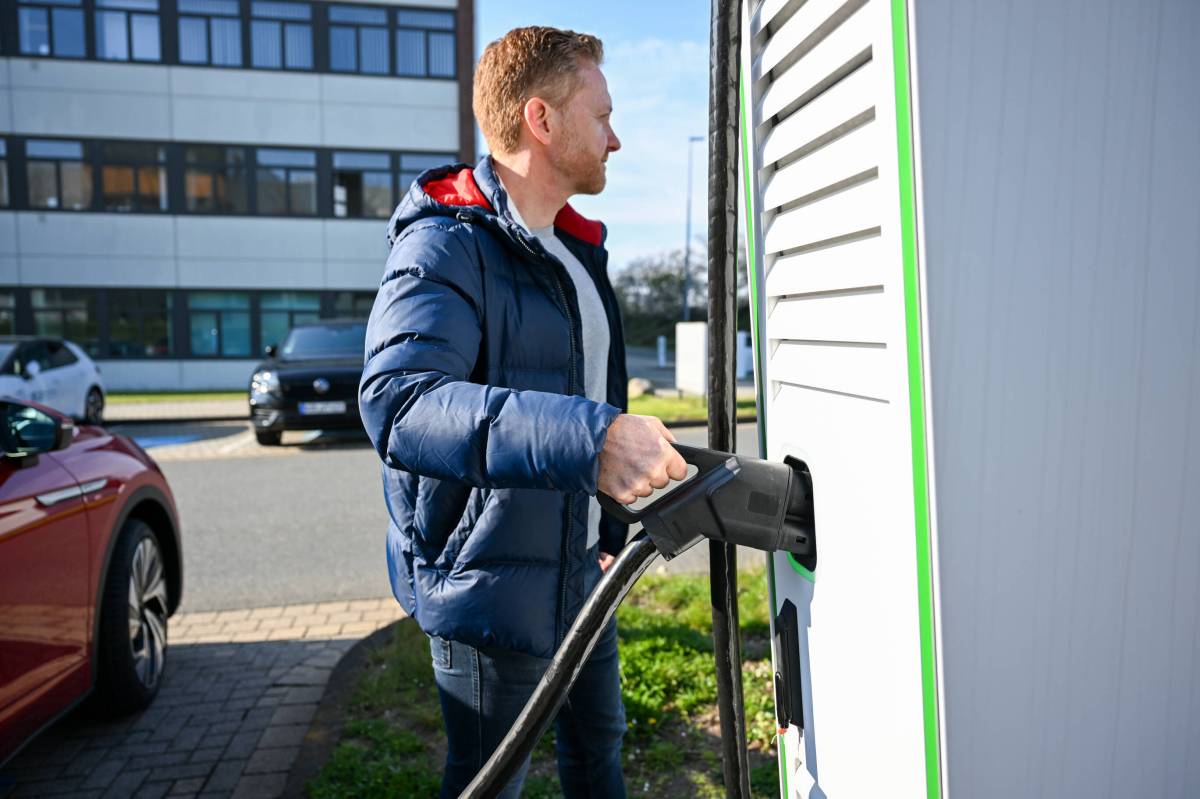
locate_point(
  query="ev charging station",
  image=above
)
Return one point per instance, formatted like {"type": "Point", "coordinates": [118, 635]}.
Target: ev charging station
{"type": "Point", "coordinates": [974, 254]}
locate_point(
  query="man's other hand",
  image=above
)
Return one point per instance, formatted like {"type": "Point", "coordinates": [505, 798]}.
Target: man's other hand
{"type": "Point", "coordinates": [638, 458]}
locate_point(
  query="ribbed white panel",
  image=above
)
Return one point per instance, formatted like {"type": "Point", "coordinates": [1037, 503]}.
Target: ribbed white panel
{"type": "Point", "coordinates": [833, 57]}
{"type": "Point", "coordinates": [805, 28]}
{"type": "Point", "coordinates": [850, 98]}
{"type": "Point", "coordinates": [853, 210]}
{"type": "Point", "coordinates": [856, 370]}
{"type": "Point", "coordinates": [844, 265]}
{"type": "Point", "coordinates": [821, 103]}
{"type": "Point", "coordinates": [849, 158]}
{"type": "Point", "coordinates": [842, 317]}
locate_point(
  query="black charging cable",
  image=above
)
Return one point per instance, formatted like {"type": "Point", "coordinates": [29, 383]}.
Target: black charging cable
{"type": "Point", "coordinates": [568, 661]}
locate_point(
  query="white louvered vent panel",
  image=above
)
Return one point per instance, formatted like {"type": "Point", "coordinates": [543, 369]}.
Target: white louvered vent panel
{"type": "Point", "coordinates": [811, 23]}
{"type": "Point", "coordinates": [846, 213]}
{"type": "Point", "coordinates": [772, 13]}
{"type": "Point", "coordinates": [846, 369]}
{"type": "Point", "coordinates": [838, 54]}
{"type": "Point", "coordinates": [846, 104]}
{"type": "Point", "coordinates": [820, 196]}
{"type": "Point", "coordinates": [846, 264]}
{"type": "Point", "coordinates": [846, 161]}
{"type": "Point", "coordinates": [858, 317]}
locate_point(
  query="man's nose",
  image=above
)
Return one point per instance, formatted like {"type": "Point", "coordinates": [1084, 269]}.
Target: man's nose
{"type": "Point", "coordinates": [614, 143]}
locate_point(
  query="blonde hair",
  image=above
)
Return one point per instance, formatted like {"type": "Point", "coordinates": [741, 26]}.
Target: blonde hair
{"type": "Point", "coordinates": [525, 63]}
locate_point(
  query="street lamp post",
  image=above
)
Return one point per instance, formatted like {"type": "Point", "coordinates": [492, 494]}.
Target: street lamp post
{"type": "Point", "coordinates": [687, 237]}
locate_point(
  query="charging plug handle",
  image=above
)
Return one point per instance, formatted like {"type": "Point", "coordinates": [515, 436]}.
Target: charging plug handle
{"type": "Point", "coordinates": [750, 502]}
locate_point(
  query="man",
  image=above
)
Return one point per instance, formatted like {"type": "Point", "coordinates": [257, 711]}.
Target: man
{"type": "Point", "coordinates": [493, 390]}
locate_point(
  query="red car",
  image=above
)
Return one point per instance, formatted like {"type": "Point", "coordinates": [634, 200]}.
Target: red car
{"type": "Point", "coordinates": [90, 570]}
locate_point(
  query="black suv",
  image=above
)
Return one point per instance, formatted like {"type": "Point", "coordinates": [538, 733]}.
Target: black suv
{"type": "Point", "coordinates": [310, 381]}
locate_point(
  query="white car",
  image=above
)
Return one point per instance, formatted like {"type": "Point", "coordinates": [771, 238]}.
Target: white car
{"type": "Point", "coordinates": [53, 372]}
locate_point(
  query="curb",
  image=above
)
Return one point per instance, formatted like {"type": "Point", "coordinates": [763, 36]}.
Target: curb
{"type": "Point", "coordinates": [173, 420]}
{"type": "Point", "coordinates": [325, 730]}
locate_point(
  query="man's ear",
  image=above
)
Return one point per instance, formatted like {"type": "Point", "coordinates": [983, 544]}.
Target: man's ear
{"type": "Point", "coordinates": [537, 119]}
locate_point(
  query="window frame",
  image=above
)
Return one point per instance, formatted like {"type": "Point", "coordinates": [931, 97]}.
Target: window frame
{"type": "Point", "coordinates": [211, 168]}
{"type": "Point", "coordinates": [312, 23]}
{"type": "Point", "coordinates": [139, 313]}
{"type": "Point", "coordinates": [91, 307]}
{"type": "Point", "coordinates": [158, 14]}
{"type": "Point", "coordinates": [387, 26]}
{"type": "Point", "coordinates": [85, 162]}
{"type": "Point", "coordinates": [49, 6]}
{"type": "Point", "coordinates": [398, 27]}
{"type": "Point", "coordinates": [103, 162]}
{"type": "Point", "coordinates": [101, 304]}
{"type": "Point", "coordinates": [260, 166]}
{"type": "Point", "coordinates": [178, 170]}
{"type": "Point", "coordinates": [243, 27]}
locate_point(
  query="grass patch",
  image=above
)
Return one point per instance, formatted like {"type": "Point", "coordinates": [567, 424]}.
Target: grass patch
{"type": "Point", "coordinates": [682, 409]}
{"type": "Point", "coordinates": [127, 398]}
{"type": "Point", "coordinates": [393, 744]}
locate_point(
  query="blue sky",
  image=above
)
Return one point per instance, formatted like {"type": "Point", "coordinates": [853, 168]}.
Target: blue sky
{"type": "Point", "coordinates": [656, 63]}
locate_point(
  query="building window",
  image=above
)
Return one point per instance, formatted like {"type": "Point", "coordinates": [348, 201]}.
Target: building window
{"type": "Point", "coordinates": [219, 324]}
{"type": "Point", "coordinates": [280, 311]}
{"type": "Point", "coordinates": [133, 176]}
{"type": "Point", "coordinates": [358, 39]}
{"type": "Point", "coordinates": [424, 44]}
{"type": "Point", "coordinates": [3, 174]}
{"type": "Point", "coordinates": [66, 313]}
{"type": "Point", "coordinates": [362, 185]}
{"type": "Point", "coordinates": [413, 164]}
{"type": "Point", "coordinates": [139, 323]}
{"type": "Point", "coordinates": [287, 182]}
{"type": "Point", "coordinates": [210, 32]}
{"type": "Point", "coordinates": [281, 35]}
{"type": "Point", "coordinates": [51, 27]}
{"type": "Point", "coordinates": [8, 313]}
{"type": "Point", "coordinates": [58, 175]}
{"type": "Point", "coordinates": [215, 179]}
{"type": "Point", "coordinates": [353, 304]}
{"type": "Point", "coordinates": [127, 30]}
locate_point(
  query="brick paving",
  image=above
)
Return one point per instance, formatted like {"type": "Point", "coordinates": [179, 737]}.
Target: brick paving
{"type": "Point", "coordinates": [238, 695]}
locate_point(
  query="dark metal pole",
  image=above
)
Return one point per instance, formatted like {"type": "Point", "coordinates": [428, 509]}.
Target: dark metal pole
{"type": "Point", "coordinates": [687, 236]}
{"type": "Point", "coordinates": [722, 321]}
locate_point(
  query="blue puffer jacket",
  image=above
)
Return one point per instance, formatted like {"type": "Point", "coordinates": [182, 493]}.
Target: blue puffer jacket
{"type": "Point", "coordinates": [472, 394]}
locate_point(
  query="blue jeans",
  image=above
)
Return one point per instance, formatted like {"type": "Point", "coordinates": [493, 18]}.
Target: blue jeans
{"type": "Point", "coordinates": [483, 691]}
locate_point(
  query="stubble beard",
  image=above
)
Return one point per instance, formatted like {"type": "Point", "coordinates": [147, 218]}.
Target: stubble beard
{"type": "Point", "coordinates": [585, 172]}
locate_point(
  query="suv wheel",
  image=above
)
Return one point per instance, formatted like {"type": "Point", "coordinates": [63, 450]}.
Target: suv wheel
{"type": "Point", "coordinates": [269, 438]}
{"type": "Point", "coordinates": [133, 622]}
{"type": "Point", "coordinates": [93, 407]}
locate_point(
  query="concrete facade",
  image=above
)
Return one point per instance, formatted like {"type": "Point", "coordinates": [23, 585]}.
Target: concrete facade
{"type": "Point", "coordinates": [97, 250]}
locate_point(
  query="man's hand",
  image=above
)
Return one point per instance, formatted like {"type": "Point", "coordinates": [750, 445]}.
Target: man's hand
{"type": "Point", "coordinates": [606, 560]}
{"type": "Point", "coordinates": [638, 458]}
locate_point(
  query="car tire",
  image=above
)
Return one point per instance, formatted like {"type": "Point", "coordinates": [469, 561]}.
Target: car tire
{"type": "Point", "coordinates": [93, 406]}
{"type": "Point", "coordinates": [269, 438]}
{"type": "Point", "coordinates": [132, 642]}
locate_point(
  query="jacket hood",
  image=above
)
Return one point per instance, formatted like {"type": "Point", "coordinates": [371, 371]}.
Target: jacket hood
{"type": "Point", "coordinates": [475, 194]}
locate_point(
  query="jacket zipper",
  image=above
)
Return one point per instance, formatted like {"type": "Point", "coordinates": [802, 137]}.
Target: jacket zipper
{"type": "Point", "coordinates": [562, 583]}
{"type": "Point", "coordinates": [571, 380]}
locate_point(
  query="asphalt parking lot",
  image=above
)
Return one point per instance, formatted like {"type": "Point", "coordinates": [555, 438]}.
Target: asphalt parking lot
{"type": "Point", "coordinates": [304, 522]}
{"type": "Point", "coordinates": [284, 570]}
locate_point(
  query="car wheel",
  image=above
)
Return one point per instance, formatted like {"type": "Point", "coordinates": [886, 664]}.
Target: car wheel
{"type": "Point", "coordinates": [133, 622]}
{"type": "Point", "coordinates": [93, 407]}
{"type": "Point", "coordinates": [269, 438]}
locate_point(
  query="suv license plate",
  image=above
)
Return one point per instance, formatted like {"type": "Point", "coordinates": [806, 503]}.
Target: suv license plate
{"type": "Point", "coordinates": [321, 408]}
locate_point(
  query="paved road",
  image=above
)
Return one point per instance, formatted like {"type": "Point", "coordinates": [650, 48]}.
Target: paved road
{"type": "Point", "coordinates": [302, 523]}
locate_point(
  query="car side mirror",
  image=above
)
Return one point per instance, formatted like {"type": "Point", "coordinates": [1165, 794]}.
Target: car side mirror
{"type": "Point", "coordinates": [32, 370]}
{"type": "Point", "coordinates": [27, 432]}
{"type": "Point", "coordinates": [272, 350]}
